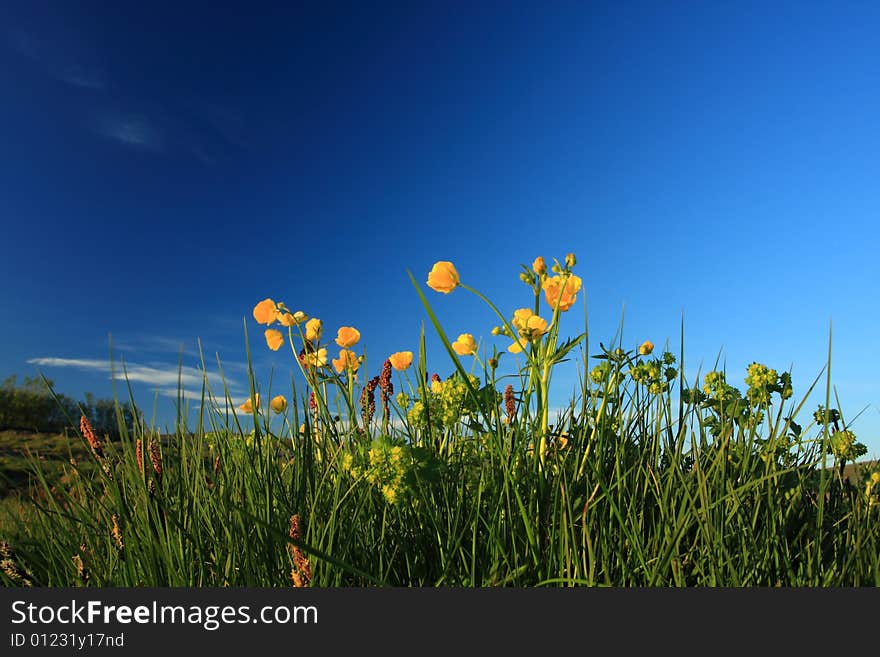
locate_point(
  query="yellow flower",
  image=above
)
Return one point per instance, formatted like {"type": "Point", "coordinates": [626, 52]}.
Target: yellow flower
{"type": "Point", "coordinates": [347, 359]}
{"type": "Point", "coordinates": [265, 312]}
{"type": "Point", "coordinates": [514, 348]}
{"type": "Point", "coordinates": [646, 348]}
{"type": "Point", "coordinates": [539, 266]}
{"type": "Point", "coordinates": [347, 336]}
{"type": "Point", "coordinates": [436, 387]}
{"type": "Point", "coordinates": [278, 404]}
{"type": "Point", "coordinates": [314, 328]}
{"type": "Point", "coordinates": [401, 360]}
{"type": "Point", "coordinates": [443, 277]}
{"type": "Point", "coordinates": [465, 345]}
{"type": "Point", "coordinates": [563, 293]}
{"type": "Point", "coordinates": [316, 358]}
{"type": "Point", "coordinates": [247, 407]}
{"type": "Point", "coordinates": [292, 319]}
{"type": "Point", "coordinates": [528, 324]}
{"type": "Point", "coordinates": [875, 477]}
{"type": "Point", "coordinates": [274, 339]}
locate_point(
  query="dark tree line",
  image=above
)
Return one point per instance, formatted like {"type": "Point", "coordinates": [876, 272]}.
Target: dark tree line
{"type": "Point", "coordinates": [30, 406]}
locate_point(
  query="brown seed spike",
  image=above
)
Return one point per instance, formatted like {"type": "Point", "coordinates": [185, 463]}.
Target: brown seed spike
{"type": "Point", "coordinates": [139, 455]}
{"type": "Point", "coordinates": [301, 573]}
{"type": "Point", "coordinates": [116, 533]}
{"type": "Point", "coordinates": [156, 460]}
{"type": "Point", "coordinates": [92, 439]}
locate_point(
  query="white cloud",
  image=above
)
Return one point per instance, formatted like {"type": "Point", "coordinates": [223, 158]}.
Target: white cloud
{"type": "Point", "coordinates": [166, 376]}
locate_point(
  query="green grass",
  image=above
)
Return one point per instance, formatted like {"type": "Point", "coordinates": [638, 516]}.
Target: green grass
{"type": "Point", "coordinates": [628, 486]}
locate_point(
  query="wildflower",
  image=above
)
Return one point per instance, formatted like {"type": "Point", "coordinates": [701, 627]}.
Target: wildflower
{"type": "Point", "coordinates": [347, 360]}
{"type": "Point", "coordinates": [875, 478]}
{"type": "Point", "coordinates": [570, 260]}
{"type": "Point", "coordinates": [515, 348]}
{"type": "Point", "coordinates": [316, 358]}
{"type": "Point", "coordinates": [314, 329]}
{"type": "Point", "coordinates": [278, 404]}
{"type": "Point", "coordinates": [248, 407]}
{"type": "Point", "coordinates": [292, 319]}
{"type": "Point", "coordinates": [528, 324]}
{"type": "Point", "coordinates": [646, 348]}
{"type": "Point", "coordinates": [539, 266]}
{"type": "Point", "coordinates": [562, 290]}
{"type": "Point", "coordinates": [274, 339]}
{"type": "Point", "coordinates": [465, 345]}
{"type": "Point", "coordinates": [443, 277]}
{"type": "Point", "coordinates": [266, 312]}
{"type": "Point", "coordinates": [347, 336]}
{"type": "Point", "coordinates": [401, 360]}
{"type": "Point", "coordinates": [92, 439]}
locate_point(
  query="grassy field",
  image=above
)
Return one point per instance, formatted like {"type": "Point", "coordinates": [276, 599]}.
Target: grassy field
{"type": "Point", "coordinates": [402, 477]}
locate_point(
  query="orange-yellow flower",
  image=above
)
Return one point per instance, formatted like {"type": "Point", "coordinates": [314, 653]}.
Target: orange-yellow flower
{"type": "Point", "coordinates": [247, 407]}
{"type": "Point", "coordinates": [314, 328]}
{"type": "Point", "coordinates": [563, 292]}
{"type": "Point", "coordinates": [465, 345]}
{"type": "Point", "coordinates": [316, 358]}
{"type": "Point", "coordinates": [347, 336]}
{"type": "Point", "coordinates": [278, 404]}
{"type": "Point", "coordinates": [515, 348]}
{"type": "Point", "coordinates": [646, 348]}
{"type": "Point", "coordinates": [292, 319]}
{"type": "Point", "coordinates": [443, 277]}
{"type": "Point", "coordinates": [528, 324]}
{"type": "Point", "coordinates": [401, 360]}
{"type": "Point", "coordinates": [347, 360]}
{"type": "Point", "coordinates": [539, 266]}
{"type": "Point", "coordinates": [274, 339]}
{"type": "Point", "coordinates": [265, 312]}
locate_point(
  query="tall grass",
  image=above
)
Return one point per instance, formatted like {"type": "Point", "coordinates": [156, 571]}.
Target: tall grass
{"type": "Point", "coordinates": [643, 479]}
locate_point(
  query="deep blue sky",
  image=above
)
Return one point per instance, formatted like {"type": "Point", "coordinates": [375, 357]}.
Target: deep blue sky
{"type": "Point", "coordinates": [165, 166]}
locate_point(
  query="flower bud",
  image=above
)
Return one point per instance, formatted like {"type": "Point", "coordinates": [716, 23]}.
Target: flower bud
{"type": "Point", "coordinates": [570, 260]}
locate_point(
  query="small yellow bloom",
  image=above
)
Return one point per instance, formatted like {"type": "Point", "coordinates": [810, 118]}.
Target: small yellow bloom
{"type": "Point", "coordinates": [401, 360]}
{"type": "Point", "coordinates": [875, 477]}
{"type": "Point", "coordinates": [465, 345]}
{"type": "Point", "coordinates": [292, 319]}
{"type": "Point", "coordinates": [347, 336]}
{"type": "Point", "coordinates": [515, 348]}
{"type": "Point", "coordinates": [314, 329]}
{"type": "Point", "coordinates": [539, 266]}
{"type": "Point", "coordinates": [247, 407]}
{"type": "Point", "coordinates": [436, 387]}
{"type": "Point", "coordinates": [563, 293]}
{"type": "Point", "coordinates": [646, 348]}
{"type": "Point", "coordinates": [278, 404]}
{"type": "Point", "coordinates": [443, 277]}
{"type": "Point", "coordinates": [316, 358]}
{"type": "Point", "coordinates": [274, 339]}
{"type": "Point", "coordinates": [265, 312]}
{"type": "Point", "coordinates": [347, 360]}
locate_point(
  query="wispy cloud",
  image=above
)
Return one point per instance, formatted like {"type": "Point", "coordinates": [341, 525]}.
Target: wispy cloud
{"type": "Point", "coordinates": [164, 376]}
{"type": "Point", "coordinates": [132, 130]}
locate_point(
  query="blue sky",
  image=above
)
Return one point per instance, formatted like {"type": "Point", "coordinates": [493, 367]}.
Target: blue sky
{"type": "Point", "coordinates": [165, 166]}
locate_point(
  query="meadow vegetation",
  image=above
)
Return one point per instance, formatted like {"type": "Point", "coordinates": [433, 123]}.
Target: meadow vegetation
{"type": "Point", "coordinates": [397, 476]}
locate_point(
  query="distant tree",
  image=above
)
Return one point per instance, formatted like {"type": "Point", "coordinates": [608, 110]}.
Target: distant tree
{"type": "Point", "coordinates": [31, 406]}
